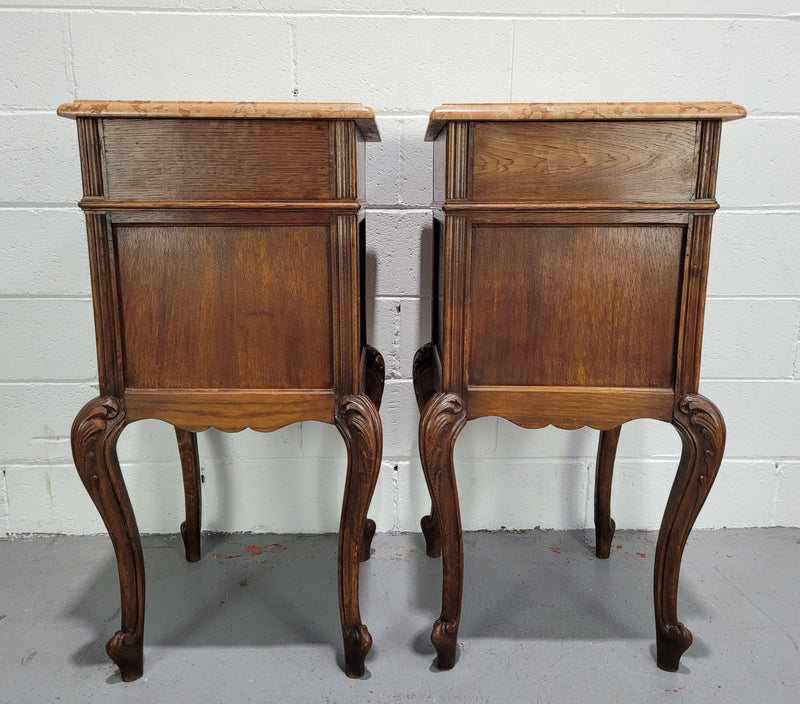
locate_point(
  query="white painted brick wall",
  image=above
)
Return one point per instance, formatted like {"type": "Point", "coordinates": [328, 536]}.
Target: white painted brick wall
{"type": "Point", "coordinates": [402, 58]}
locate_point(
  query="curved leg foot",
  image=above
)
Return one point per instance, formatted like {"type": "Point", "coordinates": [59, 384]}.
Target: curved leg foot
{"type": "Point", "coordinates": [94, 449]}
{"type": "Point", "coordinates": [190, 464]}
{"type": "Point", "coordinates": [671, 642]}
{"type": "Point", "coordinates": [443, 637]}
{"type": "Point", "coordinates": [127, 652]}
{"type": "Point", "coordinates": [702, 431]}
{"type": "Point", "coordinates": [358, 421]}
{"type": "Point", "coordinates": [444, 417]}
{"type": "Point", "coordinates": [604, 525]}
{"type": "Point", "coordinates": [373, 375]}
{"type": "Point", "coordinates": [357, 643]}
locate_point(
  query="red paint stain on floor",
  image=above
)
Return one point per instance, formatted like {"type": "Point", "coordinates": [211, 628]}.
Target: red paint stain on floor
{"type": "Point", "coordinates": [218, 556]}
{"type": "Point", "coordinates": [619, 547]}
{"type": "Point", "coordinates": [259, 549]}
{"type": "Point", "coordinates": [555, 550]}
{"type": "Point", "coordinates": [640, 554]}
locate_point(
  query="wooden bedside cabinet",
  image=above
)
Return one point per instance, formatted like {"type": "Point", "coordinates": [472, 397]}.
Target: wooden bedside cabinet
{"type": "Point", "coordinates": [226, 245]}
{"type": "Point", "coordinates": [570, 257]}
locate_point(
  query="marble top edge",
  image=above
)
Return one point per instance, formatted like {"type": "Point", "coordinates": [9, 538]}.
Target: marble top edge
{"type": "Point", "coordinates": [219, 110]}
{"type": "Point", "coordinates": [582, 111]}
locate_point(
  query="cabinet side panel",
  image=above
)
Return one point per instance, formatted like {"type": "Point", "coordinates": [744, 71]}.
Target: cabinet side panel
{"type": "Point", "coordinates": [575, 306]}
{"type": "Point", "coordinates": [225, 306]}
{"type": "Point", "coordinates": [152, 160]}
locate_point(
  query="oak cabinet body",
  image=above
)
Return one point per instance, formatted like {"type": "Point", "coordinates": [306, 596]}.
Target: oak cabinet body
{"type": "Point", "coordinates": [225, 242]}
{"type": "Point", "coordinates": [571, 252]}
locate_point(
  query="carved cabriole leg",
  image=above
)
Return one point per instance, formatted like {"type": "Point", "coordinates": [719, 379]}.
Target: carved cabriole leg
{"type": "Point", "coordinates": [702, 431]}
{"type": "Point", "coordinates": [190, 465]}
{"type": "Point", "coordinates": [604, 525]}
{"type": "Point", "coordinates": [358, 421]}
{"type": "Point", "coordinates": [374, 375]}
{"type": "Point", "coordinates": [424, 374]}
{"type": "Point", "coordinates": [94, 448]}
{"type": "Point", "coordinates": [442, 421]}
{"type": "Point", "coordinates": [432, 532]}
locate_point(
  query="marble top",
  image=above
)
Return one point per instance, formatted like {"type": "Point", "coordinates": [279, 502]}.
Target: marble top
{"type": "Point", "coordinates": [364, 116]}
{"type": "Point", "coordinates": [580, 111]}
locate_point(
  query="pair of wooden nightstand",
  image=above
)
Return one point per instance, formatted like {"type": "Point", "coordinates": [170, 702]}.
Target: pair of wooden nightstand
{"type": "Point", "coordinates": [226, 248]}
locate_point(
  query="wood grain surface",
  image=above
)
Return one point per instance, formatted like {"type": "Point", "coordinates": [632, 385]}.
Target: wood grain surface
{"type": "Point", "coordinates": [218, 160]}
{"type": "Point", "coordinates": [574, 306]}
{"type": "Point", "coordinates": [567, 161]}
{"type": "Point", "coordinates": [225, 306]}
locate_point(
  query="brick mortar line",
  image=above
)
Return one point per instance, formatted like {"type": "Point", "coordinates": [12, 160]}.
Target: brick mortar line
{"type": "Point", "coordinates": [758, 210]}
{"type": "Point", "coordinates": [401, 297]}
{"type": "Point", "coordinates": [407, 460]}
{"type": "Point", "coordinates": [39, 382]}
{"type": "Point", "coordinates": [796, 360]}
{"type": "Point", "coordinates": [51, 382]}
{"type": "Point", "coordinates": [409, 14]}
{"type": "Point", "coordinates": [777, 480]}
{"type": "Point", "coordinates": [46, 297]}
{"type": "Point", "coordinates": [765, 297]}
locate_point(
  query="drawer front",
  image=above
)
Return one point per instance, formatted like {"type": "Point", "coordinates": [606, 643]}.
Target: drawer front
{"type": "Point", "coordinates": [584, 161]}
{"type": "Point", "coordinates": [225, 306]}
{"type": "Point", "coordinates": [216, 160]}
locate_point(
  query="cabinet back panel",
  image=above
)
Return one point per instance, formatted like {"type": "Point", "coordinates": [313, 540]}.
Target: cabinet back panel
{"type": "Point", "coordinates": [225, 306]}
{"type": "Point", "coordinates": [584, 161]}
{"type": "Point", "coordinates": [574, 306]}
{"type": "Point", "coordinates": [251, 160]}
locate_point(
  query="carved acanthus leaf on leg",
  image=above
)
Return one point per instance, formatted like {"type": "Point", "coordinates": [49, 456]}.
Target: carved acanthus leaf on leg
{"type": "Point", "coordinates": [702, 430]}
{"type": "Point", "coordinates": [443, 419]}
{"type": "Point", "coordinates": [94, 440]}
{"type": "Point", "coordinates": [359, 424]}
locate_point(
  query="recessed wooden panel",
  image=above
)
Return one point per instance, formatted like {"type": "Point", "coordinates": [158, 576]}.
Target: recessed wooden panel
{"type": "Point", "coordinates": [229, 307]}
{"type": "Point", "coordinates": [174, 159]}
{"type": "Point", "coordinates": [574, 161]}
{"type": "Point", "coordinates": [574, 306]}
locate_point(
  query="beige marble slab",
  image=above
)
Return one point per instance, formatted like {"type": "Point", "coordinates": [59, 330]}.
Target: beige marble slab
{"type": "Point", "coordinates": [580, 111]}
{"type": "Point", "coordinates": [364, 116]}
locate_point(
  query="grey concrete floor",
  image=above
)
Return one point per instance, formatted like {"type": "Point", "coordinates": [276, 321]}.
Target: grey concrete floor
{"type": "Point", "coordinates": [256, 620]}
